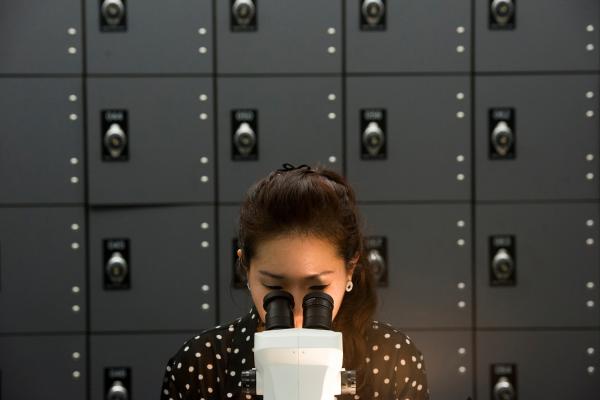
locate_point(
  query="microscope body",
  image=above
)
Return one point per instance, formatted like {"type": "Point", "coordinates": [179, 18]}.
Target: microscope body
{"type": "Point", "coordinates": [298, 364]}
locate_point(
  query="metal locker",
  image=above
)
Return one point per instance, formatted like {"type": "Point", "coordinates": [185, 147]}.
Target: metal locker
{"type": "Point", "coordinates": [42, 270]}
{"type": "Point", "coordinates": [449, 360]}
{"type": "Point", "coordinates": [150, 140]}
{"type": "Point", "coordinates": [40, 367]}
{"type": "Point", "coordinates": [152, 268]}
{"type": "Point", "coordinates": [40, 37]}
{"type": "Point", "coordinates": [41, 144]}
{"type": "Point", "coordinates": [279, 36]}
{"type": "Point", "coordinates": [537, 265]}
{"type": "Point", "coordinates": [153, 36]}
{"type": "Point", "coordinates": [424, 267]}
{"type": "Point", "coordinates": [131, 364]}
{"type": "Point", "coordinates": [408, 36]}
{"type": "Point", "coordinates": [298, 117]}
{"type": "Point", "coordinates": [234, 296]}
{"type": "Point", "coordinates": [538, 364]}
{"type": "Point", "coordinates": [550, 35]}
{"type": "Point", "coordinates": [423, 148]}
{"type": "Point", "coordinates": [536, 137]}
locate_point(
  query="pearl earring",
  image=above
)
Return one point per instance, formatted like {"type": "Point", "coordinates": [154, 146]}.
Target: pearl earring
{"type": "Point", "coordinates": [349, 286]}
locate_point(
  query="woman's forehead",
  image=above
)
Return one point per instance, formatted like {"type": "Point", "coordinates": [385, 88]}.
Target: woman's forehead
{"type": "Point", "coordinates": [297, 256]}
{"type": "Point", "coordinates": [291, 246]}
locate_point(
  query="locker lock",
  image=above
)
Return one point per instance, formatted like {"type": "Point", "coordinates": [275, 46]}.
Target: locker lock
{"type": "Point", "coordinates": [373, 138]}
{"type": "Point", "coordinates": [502, 10]}
{"type": "Point", "coordinates": [376, 247]}
{"type": "Point", "coordinates": [113, 11]}
{"type": "Point", "coordinates": [117, 383]}
{"type": "Point", "coordinates": [373, 11]}
{"type": "Point", "coordinates": [117, 392]}
{"type": "Point", "coordinates": [502, 14]}
{"type": "Point", "coordinates": [115, 140]}
{"type": "Point", "coordinates": [502, 134]}
{"type": "Point", "coordinates": [504, 381]}
{"type": "Point", "coordinates": [117, 264]}
{"type": "Point", "coordinates": [502, 263]}
{"type": "Point", "coordinates": [502, 138]}
{"type": "Point", "coordinates": [373, 125]}
{"type": "Point", "coordinates": [377, 263]}
{"type": "Point", "coordinates": [117, 268]}
{"type": "Point", "coordinates": [243, 15]}
{"type": "Point", "coordinates": [503, 390]}
{"type": "Point", "coordinates": [244, 138]}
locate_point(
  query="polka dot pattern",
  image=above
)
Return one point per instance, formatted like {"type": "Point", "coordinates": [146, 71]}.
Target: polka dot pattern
{"type": "Point", "coordinates": [209, 365]}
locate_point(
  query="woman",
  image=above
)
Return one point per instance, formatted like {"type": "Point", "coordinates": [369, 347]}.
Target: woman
{"type": "Point", "coordinates": [300, 231]}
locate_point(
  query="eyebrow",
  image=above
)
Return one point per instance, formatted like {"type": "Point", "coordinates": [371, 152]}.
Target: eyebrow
{"type": "Point", "coordinates": [275, 276]}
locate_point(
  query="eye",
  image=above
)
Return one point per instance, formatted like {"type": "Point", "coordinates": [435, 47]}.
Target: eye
{"type": "Point", "coordinates": [272, 287]}
{"type": "Point", "coordinates": [319, 287]}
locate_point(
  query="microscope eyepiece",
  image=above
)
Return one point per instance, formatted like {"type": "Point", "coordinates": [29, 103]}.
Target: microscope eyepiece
{"type": "Point", "coordinates": [317, 310]}
{"type": "Point", "coordinates": [279, 306]}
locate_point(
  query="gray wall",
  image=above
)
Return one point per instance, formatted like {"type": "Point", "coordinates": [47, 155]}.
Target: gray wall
{"type": "Point", "coordinates": [439, 84]}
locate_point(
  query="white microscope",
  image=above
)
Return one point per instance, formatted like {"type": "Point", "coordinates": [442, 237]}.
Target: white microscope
{"type": "Point", "coordinates": [298, 363]}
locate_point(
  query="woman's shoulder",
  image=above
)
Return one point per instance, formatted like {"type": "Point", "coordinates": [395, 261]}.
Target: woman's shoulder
{"type": "Point", "coordinates": [382, 336]}
{"type": "Point", "coordinates": [209, 341]}
{"type": "Point", "coordinates": [394, 357]}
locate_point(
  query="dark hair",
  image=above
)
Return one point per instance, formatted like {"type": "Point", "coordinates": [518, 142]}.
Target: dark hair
{"type": "Point", "coordinates": [317, 202]}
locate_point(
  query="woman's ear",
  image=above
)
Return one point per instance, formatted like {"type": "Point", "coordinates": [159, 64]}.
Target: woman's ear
{"type": "Point", "coordinates": [239, 253]}
{"type": "Point", "coordinates": [353, 262]}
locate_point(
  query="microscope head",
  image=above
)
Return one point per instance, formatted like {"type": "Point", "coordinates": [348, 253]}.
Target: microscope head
{"type": "Point", "coordinates": [298, 363]}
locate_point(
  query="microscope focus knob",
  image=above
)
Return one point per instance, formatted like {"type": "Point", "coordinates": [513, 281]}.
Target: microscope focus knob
{"type": "Point", "coordinates": [249, 381]}
{"type": "Point", "coordinates": [348, 382]}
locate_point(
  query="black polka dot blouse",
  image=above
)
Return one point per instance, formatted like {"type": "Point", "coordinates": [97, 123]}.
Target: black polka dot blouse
{"type": "Point", "coordinates": [209, 366]}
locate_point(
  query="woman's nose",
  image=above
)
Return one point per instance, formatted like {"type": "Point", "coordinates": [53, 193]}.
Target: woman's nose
{"type": "Point", "coordinates": [298, 312]}
{"type": "Point", "coordinates": [298, 319]}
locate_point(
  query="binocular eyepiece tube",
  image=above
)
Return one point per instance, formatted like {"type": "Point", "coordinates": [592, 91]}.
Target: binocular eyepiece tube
{"type": "Point", "coordinates": [317, 309]}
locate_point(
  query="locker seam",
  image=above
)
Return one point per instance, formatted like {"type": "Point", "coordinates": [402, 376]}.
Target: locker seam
{"type": "Point", "coordinates": [343, 94]}
{"type": "Point", "coordinates": [305, 74]}
{"type": "Point", "coordinates": [217, 280]}
{"type": "Point", "coordinates": [88, 358]}
{"type": "Point", "coordinates": [472, 203]}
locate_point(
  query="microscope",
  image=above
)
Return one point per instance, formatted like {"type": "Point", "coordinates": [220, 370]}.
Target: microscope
{"type": "Point", "coordinates": [298, 363]}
